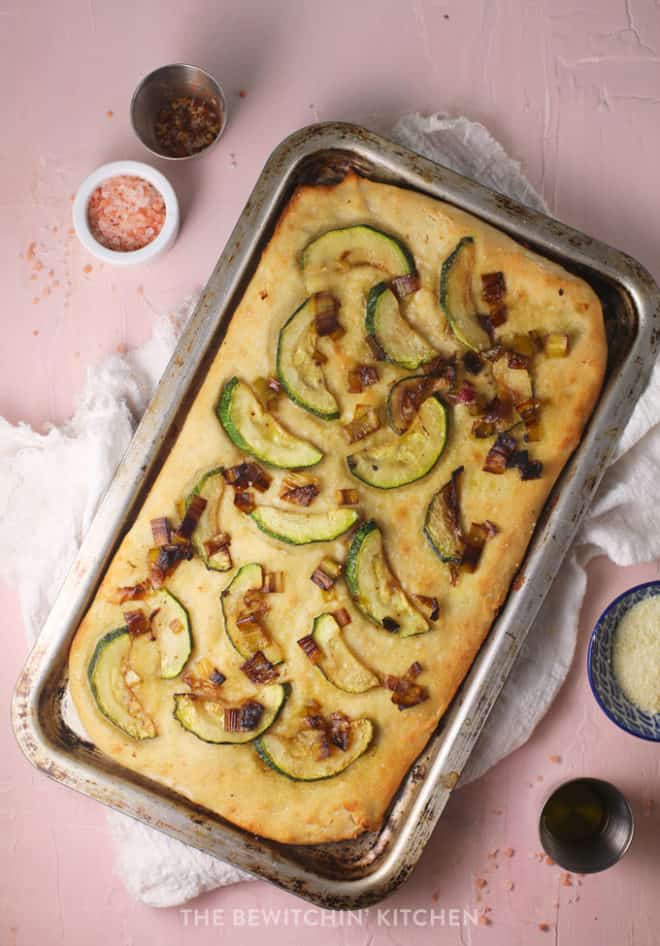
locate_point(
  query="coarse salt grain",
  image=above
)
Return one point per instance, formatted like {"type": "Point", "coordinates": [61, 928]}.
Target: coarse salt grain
{"type": "Point", "coordinates": [126, 213]}
{"type": "Point", "coordinates": [636, 655]}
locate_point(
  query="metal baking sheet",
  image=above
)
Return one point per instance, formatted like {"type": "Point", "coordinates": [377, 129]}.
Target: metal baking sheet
{"type": "Point", "coordinates": [349, 874]}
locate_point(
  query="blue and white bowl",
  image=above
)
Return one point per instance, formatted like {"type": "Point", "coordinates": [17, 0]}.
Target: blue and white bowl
{"type": "Point", "coordinates": [604, 684]}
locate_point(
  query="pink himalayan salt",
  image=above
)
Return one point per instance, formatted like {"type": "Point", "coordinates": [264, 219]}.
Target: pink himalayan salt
{"type": "Point", "coordinates": [125, 213]}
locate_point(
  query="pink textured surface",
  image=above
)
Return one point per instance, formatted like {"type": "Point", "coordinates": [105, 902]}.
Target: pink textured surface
{"type": "Point", "coordinates": [573, 90]}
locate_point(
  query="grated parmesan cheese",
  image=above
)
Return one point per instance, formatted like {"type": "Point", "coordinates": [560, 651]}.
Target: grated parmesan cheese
{"type": "Point", "coordinates": [636, 655]}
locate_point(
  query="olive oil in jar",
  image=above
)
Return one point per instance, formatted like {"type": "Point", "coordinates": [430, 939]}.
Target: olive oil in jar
{"type": "Point", "coordinates": [586, 825]}
{"type": "Point", "coordinates": [575, 812]}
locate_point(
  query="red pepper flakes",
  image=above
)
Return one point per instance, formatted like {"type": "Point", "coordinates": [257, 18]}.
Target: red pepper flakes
{"type": "Point", "coordinates": [187, 125]}
{"type": "Point", "coordinates": [125, 213]}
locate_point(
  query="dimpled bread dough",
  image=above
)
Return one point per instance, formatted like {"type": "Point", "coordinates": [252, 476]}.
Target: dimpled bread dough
{"type": "Point", "coordinates": [232, 780]}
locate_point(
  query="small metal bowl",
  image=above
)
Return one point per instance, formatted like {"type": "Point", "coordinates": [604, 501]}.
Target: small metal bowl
{"type": "Point", "coordinates": [604, 685]}
{"type": "Point", "coordinates": [604, 849]}
{"type": "Point", "coordinates": [157, 90]}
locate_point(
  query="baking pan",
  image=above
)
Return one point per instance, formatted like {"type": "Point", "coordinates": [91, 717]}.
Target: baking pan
{"type": "Point", "coordinates": [348, 874]}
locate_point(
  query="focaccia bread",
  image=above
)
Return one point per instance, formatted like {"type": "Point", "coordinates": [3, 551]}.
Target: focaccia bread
{"type": "Point", "coordinates": [294, 703]}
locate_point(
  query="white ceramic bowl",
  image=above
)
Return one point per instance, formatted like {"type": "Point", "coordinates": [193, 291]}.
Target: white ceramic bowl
{"type": "Point", "coordinates": [159, 245]}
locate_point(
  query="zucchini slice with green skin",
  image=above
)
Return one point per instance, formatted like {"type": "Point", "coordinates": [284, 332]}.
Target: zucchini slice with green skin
{"type": "Point", "coordinates": [112, 694]}
{"type": "Point", "coordinates": [301, 377]}
{"type": "Point", "coordinates": [206, 718]}
{"type": "Point", "coordinates": [302, 528]}
{"type": "Point", "coordinates": [210, 487]}
{"type": "Point", "coordinates": [374, 588]}
{"type": "Point", "coordinates": [170, 624]}
{"type": "Point", "coordinates": [249, 637]}
{"type": "Point", "coordinates": [258, 433]}
{"type": "Point", "coordinates": [384, 323]}
{"type": "Point", "coordinates": [294, 756]}
{"type": "Point", "coordinates": [359, 245]}
{"type": "Point", "coordinates": [437, 530]}
{"type": "Point", "coordinates": [419, 386]}
{"type": "Point", "coordinates": [406, 458]}
{"type": "Point", "coordinates": [457, 299]}
{"type": "Point", "coordinates": [338, 664]}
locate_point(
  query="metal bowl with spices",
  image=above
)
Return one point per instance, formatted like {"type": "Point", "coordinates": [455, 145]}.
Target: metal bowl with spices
{"type": "Point", "coordinates": [179, 111]}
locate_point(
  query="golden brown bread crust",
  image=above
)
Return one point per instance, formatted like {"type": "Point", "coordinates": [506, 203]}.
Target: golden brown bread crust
{"type": "Point", "coordinates": [233, 781]}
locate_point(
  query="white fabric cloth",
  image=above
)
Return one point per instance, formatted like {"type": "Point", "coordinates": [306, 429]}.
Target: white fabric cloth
{"type": "Point", "coordinates": [66, 470]}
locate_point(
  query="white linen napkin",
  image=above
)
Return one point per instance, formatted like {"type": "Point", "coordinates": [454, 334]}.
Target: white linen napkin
{"type": "Point", "coordinates": [64, 472]}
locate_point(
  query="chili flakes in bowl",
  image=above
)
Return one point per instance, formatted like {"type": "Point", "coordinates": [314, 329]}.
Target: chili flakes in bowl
{"type": "Point", "coordinates": [187, 125]}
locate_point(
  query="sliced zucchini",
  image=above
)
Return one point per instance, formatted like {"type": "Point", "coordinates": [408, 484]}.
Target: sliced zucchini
{"type": "Point", "coordinates": [399, 341]}
{"type": "Point", "coordinates": [258, 433]}
{"type": "Point", "coordinates": [301, 377]}
{"type": "Point", "coordinates": [438, 531]}
{"type": "Point", "coordinates": [403, 459]}
{"type": "Point", "coordinates": [338, 664]}
{"type": "Point", "coordinates": [301, 528]}
{"type": "Point", "coordinates": [249, 637]}
{"type": "Point", "coordinates": [359, 245]}
{"type": "Point", "coordinates": [375, 590]}
{"type": "Point", "coordinates": [210, 487]}
{"type": "Point", "coordinates": [401, 398]}
{"type": "Point", "coordinates": [107, 679]}
{"type": "Point", "coordinates": [170, 625]}
{"type": "Point", "coordinates": [295, 757]}
{"type": "Point", "coordinates": [457, 298]}
{"type": "Point", "coordinates": [206, 718]}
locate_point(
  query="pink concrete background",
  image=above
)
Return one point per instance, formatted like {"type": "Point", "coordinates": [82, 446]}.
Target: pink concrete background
{"type": "Point", "coordinates": [573, 91]}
